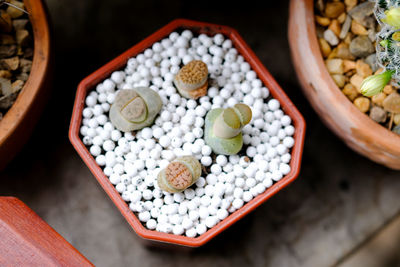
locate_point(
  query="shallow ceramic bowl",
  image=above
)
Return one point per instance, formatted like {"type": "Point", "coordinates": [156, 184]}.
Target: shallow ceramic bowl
{"type": "Point", "coordinates": [18, 122]}
{"type": "Point", "coordinates": [355, 128]}
{"type": "Point", "coordinates": [92, 80]}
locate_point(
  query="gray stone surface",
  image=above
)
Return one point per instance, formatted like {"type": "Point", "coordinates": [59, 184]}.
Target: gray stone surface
{"type": "Point", "coordinates": [338, 201]}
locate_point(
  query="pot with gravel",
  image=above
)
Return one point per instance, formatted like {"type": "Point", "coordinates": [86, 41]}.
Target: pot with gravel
{"type": "Point", "coordinates": [344, 77]}
{"type": "Point", "coordinates": [225, 139]}
{"type": "Point", "coordinates": [25, 59]}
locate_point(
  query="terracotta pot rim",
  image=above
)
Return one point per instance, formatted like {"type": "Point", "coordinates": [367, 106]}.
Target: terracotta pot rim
{"type": "Point", "coordinates": [89, 82]}
{"type": "Point", "coordinates": [29, 93]}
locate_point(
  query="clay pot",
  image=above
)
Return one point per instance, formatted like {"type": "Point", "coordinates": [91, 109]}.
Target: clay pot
{"type": "Point", "coordinates": [357, 130]}
{"type": "Point", "coordinates": [92, 80]}
{"type": "Point", "coordinates": [18, 122]}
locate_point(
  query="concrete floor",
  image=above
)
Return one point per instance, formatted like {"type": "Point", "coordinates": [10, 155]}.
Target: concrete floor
{"type": "Point", "coordinates": [339, 200]}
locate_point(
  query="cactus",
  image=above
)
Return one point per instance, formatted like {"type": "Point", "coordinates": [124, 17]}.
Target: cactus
{"type": "Point", "coordinates": [223, 128]}
{"type": "Point", "coordinates": [179, 174]}
{"type": "Point", "coordinates": [134, 109]}
{"type": "Point", "coordinates": [387, 13]}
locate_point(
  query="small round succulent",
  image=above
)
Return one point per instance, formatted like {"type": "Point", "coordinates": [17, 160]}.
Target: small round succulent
{"type": "Point", "coordinates": [191, 80]}
{"type": "Point", "coordinates": [223, 128]}
{"type": "Point", "coordinates": [134, 109]}
{"type": "Point", "coordinates": [179, 174]}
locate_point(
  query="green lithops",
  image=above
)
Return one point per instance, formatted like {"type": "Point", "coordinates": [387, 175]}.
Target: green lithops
{"type": "Point", "coordinates": [223, 128]}
{"type": "Point", "coordinates": [134, 109]}
{"type": "Point", "coordinates": [179, 174]}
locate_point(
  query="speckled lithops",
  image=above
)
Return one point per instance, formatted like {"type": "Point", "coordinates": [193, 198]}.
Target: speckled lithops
{"type": "Point", "coordinates": [191, 80]}
{"type": "Point", "coordinates": [179, 174]}
{"type": "Point", "coordinates": [134, 109]}
{"type": "Point", "coordinates": [223, 128]}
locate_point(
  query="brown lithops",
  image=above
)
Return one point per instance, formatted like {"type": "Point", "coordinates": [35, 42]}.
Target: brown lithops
{"type": "Point", "coordinates": [179, 174]}
{"type": "Point", "coordinates": [191, 80]}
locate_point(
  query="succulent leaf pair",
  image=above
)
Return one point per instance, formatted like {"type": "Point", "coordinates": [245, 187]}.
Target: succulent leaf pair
{"type": "Point", "coordinates": [223, 128]}
{"type": "Point", "coordinates": [134, 109]}
{"type": "Point", "coordinates": [179, 174]}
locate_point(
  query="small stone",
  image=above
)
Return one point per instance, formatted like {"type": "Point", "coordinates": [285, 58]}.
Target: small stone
{"type": "Point", "coordinates": [5, 86]}
{"type": "Point", "coordinates": [335, 27]}
{"type": "Point", "coordinates": [25, 65]}
{"type": "Point", "coordinates": [388, 89]}
{"type": "Point", "coordinates": [6, 39]}
{"type": "Point", "coordinates": [320, 5]}
{"type": "Point", "coordinates": [345, 27]}
{"type": "Point", "coordinates": [392, 103]}
{"type": "Point", "coordinates": [320, 31]}
{"type": "Point", "coordinates": [7, 50]}
{"type": "Point", "coordinates": [372, 35]}
{"type": "Point", "coordinates": [378, 114]}
{"type": "Point", "coordinates": [350, 4]}
{"type": "Point", "coordinates": [14, 12]}
{"type": "Point", "coordinates": [357, 80]}
{"type": "Point", "coordinates": [363, 69]}
{"type": "Point", "coordinates": [334, 66]}
{"type": "Point", "coordinates": [362, 103]}
{"type": "Point", "coordinates": [5, 74]}
{"type": "Point", "coordinates": [28, 53]}
{"type": "Point", "coordinates": [334, 9]}
{"type": "Point", "coordinates": [322, 20]}
{"type": "Point", "coordinates": [20, 24]}
{"type": "Point", "coordinates": [396, 129]}
{"type": "Point", "coordinates": [7, 101]}
{"type": "Point", "coordinates": [17, 86]}
{"type": "Point", "coordinates": [330, 37]}
{"type": "Point", "coordinates": [349, 37]}
{"type": "Point", "coordinates": [5, 22]}
{"type": "Point", "coordinates": [396, 119]}
{"type": "Point", "coordinates": [361, 46]}
{"type": "Point", "coordinates": [22, 76]}
{"type": "Point", "coordinates": [333, 54]}
{"type": "Point", "coordinates": [350, 91]}
{"type": "Point", "coordinates": [361, 12]}
{"type": "Point", "coordinates": [339, 79]}
{"type": "Point", "coordinates": [358, 29]}
{"type": "Point", "coordinates": [370, 22]}
{"type": "Point", "coordinates": [342, 18]}
{"type": "Point", "coordinates": [10, 63]}
{"type": "Point", "coordinates": [22, 37]}
{"type": "Point", "coordinates": [343, 51]}
{"type": "Point", "coordinates": [371, 61]}
{"type": "Point", "coordinates": [348, 65]}
{"type": "Point", "coordinates": [325, 47]}
{"type": "Point", "coordinates": [378, 99]}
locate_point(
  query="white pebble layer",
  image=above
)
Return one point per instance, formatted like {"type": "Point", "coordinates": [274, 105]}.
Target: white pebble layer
{"type": "Point", "coordinates": [133, 161]}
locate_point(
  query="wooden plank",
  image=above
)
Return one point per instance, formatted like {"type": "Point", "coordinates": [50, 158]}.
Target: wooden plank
{"type": "Point", "coordinates": [27, 240]}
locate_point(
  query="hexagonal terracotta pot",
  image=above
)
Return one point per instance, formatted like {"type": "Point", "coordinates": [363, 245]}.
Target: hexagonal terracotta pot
{"type": "Point", "coordinates": [92, 80]}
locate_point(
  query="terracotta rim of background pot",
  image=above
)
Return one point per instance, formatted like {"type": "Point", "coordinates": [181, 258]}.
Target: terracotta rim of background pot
{"type": "Point", "coordinates": [356, 129]}
{"type": "Point", "coordinates": [92, 80]}
{"type": "Point", "coordinates": [18, 122]}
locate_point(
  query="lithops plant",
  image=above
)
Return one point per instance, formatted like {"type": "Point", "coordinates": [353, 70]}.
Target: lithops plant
{"type": "Point", "coordinates": [191, 80]}
{"type": "Point", "coordinates": [223, 128]}
{"type": "Point", "coordinates": [179, 174]}
{"type": "Point", "coordinates": [134, 109]}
